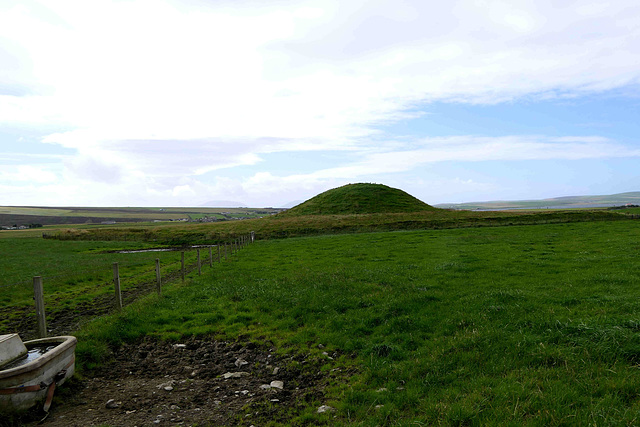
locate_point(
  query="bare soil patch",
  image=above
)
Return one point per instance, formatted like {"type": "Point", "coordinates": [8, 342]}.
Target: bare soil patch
{"type": "Point", "coordinates": [199, 381]}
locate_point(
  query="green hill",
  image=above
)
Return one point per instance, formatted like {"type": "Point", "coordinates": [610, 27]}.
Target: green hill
{"type": "Point", "coordinates": [359, 199]}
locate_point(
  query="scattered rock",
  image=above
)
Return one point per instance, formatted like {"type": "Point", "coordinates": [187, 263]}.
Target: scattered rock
{"type": "Point", "coordinates": [275, 371]}
{"type": "Point", "coordinates": [379, 406]}
{"type": "Point", "coordinates": [168, 386]}
{"type": "Point", "coordinates": [325, 408]}
{"type": "Point", "coordinates": [380, 390]}
{"type": "Point", "coordinates": [112, 404]}
{"type": "Point", "coordinates": [228, 375]}
{"type": "Point", "coordinates": [240, 362]}
{"type": "Point", "coordinates": [179, 346]}
{"type": "Point", "coordinates": [277, 384]}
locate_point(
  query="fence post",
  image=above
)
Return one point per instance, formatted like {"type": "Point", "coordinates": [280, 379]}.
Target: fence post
{"type": "Point", "coordinates": [158, 280]}
{"type": "Point", "coordinates": [199, 264]}
{"type": "Point", "coordinates": [182, 263]}
{"type": "Point", "coordinates": [225, 251]}
{"type": "Point", "coordinates": [253, 236]}
{"type": "Point", "coordinates": [218, 245]}
{"type": "Point", "coordinates": [116, 284]}
{"type": "Point", "coordinates": [210, 257]}
{"type": "Point", "coordinates": [38, 295]}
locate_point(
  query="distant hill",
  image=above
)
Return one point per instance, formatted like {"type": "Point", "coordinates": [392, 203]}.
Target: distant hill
{"type": "Point", "coordinates": [291, 204]}
{"type": "Point", "coordinates": [223, 204]}
{"type": "Point", "coordinates": [566, 202]}
{"type": "Point", "coordinates": [359, 199]}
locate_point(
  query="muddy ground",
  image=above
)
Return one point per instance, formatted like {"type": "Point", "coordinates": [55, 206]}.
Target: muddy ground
{"type": "Point", "coordinates": [153, 383]}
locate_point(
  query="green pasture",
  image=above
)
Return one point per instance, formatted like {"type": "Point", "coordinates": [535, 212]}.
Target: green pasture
{"type": "Point", "coordinates": [519, 325]}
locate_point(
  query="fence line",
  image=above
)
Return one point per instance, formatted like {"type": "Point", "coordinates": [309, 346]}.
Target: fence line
{"type": "Point", "coordinates": [76, 274]}
{"type": "Point", "coordinates": [39, 290]}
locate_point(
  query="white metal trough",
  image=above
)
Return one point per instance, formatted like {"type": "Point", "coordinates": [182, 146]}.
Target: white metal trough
{"type": "Point", "coordinates": [32, 375]}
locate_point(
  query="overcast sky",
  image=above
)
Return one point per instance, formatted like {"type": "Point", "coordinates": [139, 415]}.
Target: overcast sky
{"type": "Point", "coordinates": [179, 102]}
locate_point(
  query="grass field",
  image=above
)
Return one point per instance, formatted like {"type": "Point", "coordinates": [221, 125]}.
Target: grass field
{"type": "Point", "coordinates": [520, 325]}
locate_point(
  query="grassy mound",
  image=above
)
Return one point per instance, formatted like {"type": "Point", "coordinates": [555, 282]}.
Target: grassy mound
{"type": "Point", "coordinates": [359, 199]}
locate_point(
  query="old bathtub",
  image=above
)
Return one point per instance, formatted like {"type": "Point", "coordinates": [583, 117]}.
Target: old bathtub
{"type": "Point", "coordinates": [32, 377]}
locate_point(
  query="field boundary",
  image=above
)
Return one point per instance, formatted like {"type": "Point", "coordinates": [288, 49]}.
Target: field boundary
{"type": "Point", "coordinates": [35, 323]}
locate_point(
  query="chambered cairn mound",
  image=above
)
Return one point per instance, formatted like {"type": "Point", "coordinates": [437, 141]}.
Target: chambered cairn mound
{"type": "Point", "coordinates": [359, 199]}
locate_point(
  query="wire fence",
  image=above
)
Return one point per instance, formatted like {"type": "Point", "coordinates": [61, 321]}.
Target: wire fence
{"type": "Point", "coordinates": [27, 321]}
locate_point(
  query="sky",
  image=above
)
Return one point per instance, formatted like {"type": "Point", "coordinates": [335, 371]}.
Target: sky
{"type": "Point", "coordinates": [267, 103]}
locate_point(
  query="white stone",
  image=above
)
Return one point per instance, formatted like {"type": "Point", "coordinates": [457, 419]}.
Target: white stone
{"type": "Point", "coordinates": [228, 375]}
{"type": "Point", "coordinates": [277, 384]}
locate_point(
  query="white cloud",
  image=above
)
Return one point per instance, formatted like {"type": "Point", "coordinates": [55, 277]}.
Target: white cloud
{"type": "Point", "coordinates": [155, 92]}
{"type": "Point", "coordinates": [28, 174]}
{"type": "Point", "coordinates": [475, 148]}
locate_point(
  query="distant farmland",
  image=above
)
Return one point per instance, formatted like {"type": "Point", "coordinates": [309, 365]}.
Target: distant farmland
{"type": "Point", "coordinates": [28, 215]}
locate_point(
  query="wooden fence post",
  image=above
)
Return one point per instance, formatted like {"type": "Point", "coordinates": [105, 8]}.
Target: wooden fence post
{"type": "Point", "coordinates": [38, 294]}
{"type": "Point", "coordinates": [218, 245]}
{"type": "Point", "coordinates": [253, 236]}
{"type": "Point", "coordinates": [182, 268]}
{"type": "Point", "coordinates": [199, 263]}
{"type": "Point", "coordinates": [116, 284]}
{"type": "Point", "coordinates": [210, 257]}
{"type": "Point", "coordinates": [158, 280]}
